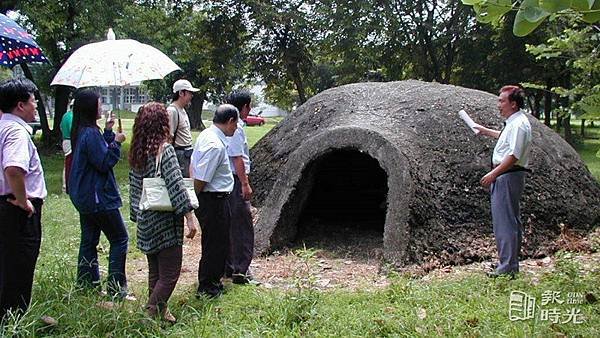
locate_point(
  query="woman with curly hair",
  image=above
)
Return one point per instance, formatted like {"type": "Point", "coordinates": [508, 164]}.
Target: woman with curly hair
{"type": "Point", "coordinates": [159, 233]}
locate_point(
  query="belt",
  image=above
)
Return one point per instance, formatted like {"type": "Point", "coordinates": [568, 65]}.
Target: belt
{"type": "Point", "coordinates": [182, 147]}
{"type": "Point", "coordinates": [516, 168]}
{"type": "Point", "coordinates": [4, 198]}
{"type": "Point", "coordinates": [216, 194]}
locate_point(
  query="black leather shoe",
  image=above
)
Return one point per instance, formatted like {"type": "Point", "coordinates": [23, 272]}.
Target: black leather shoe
{"type": "Point", "coordinates": [238, 278]}
{"type": "Point", "coordinates": [214, 291]}
{"type": "Point", "coordinates": [209, 295]}
{"type": "Point", "coordinates": [242, 279]}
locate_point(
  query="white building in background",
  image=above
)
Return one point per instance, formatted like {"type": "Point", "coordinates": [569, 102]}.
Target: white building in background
{"type": "Point", "coordinates": [124, 98]}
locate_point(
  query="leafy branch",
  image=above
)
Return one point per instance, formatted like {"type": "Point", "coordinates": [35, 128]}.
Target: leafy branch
{"type": "Point", "coordinates": [531, 13]}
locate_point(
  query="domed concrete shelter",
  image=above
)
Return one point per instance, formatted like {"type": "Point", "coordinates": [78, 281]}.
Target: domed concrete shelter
{"type": "Point", "coordinates": [396, 157]}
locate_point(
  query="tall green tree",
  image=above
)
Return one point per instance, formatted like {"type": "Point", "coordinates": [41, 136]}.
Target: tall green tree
{"type": "Point", "coordinates": [60, 27]}
{"type": "Point", "coordinates": [433, 30]}
{"type": "Point", "coordinates": [576, 46]}
{"type": "Point", "coordinates": [282, 48]}
{"type": "Point", "coordinates": [349, 46]}
{"type": "Point", "coordinates": [397, 39]}
{"type": "Point", "coordinates": [206, 39]}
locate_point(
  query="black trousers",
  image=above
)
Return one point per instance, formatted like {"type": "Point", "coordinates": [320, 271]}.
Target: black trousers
{"type": "Point", "coordinates": [214, 216]}
{"type": "Point", "coordinates": [20, 239]}
{"type": "Point", "coordinates": [241, 233]}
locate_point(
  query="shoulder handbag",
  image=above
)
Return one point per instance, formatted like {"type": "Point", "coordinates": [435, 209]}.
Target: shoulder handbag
{"type": "Point", "coordinates": [154, 191]}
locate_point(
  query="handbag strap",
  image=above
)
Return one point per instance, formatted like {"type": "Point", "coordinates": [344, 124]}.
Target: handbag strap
{"type": "Point", "coordinates": [161, 149]}
{"type": "Point", "coordinates": [176, 124]}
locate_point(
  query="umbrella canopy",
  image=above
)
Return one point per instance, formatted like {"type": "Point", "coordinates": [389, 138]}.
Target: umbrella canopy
{"type": "Point", "coordinates": [113, 63]}
{"type": "Point", "coordinates": [16, 45]}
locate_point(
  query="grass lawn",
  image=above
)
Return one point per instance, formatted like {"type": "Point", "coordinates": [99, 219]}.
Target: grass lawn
{"type": "Point", "coordinates": [589, 149]}
{"type": "Point", "coordinates": [471, 305]}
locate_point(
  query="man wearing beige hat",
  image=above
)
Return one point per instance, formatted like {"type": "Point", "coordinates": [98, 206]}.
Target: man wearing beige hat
{"type": "Point", "coordinates": [179, 123]}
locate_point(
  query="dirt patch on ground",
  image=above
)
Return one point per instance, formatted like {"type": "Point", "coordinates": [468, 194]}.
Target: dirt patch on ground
{"type": "Point", "coordinates": [351, 259]}
{"type": "Point", "coordinates": [342, 257]}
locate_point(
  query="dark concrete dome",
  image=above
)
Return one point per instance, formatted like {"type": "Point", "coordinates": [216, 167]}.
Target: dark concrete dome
{"type": "Point", "coordinates": [399, 152]}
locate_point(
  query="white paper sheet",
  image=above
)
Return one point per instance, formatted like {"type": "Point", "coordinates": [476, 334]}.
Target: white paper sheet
{"type": "Point", "coordinates": [468, 120]}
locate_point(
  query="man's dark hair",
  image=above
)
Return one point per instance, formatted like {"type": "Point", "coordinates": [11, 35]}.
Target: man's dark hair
{"type": "Point", "coordinates": [239, 98]}
{"type": "Point", "coordinates": [515, 94]}
{"type": "Point", "coordinates": [224, 113]}
{"type": "Point", "coordinates": [13, 91]}
{"type": "Point", "coordinates": [175, 96]}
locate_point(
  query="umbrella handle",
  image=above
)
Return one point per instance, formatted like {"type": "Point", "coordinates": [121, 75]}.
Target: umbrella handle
{"type": "Point", "coordinates": [119, 125]}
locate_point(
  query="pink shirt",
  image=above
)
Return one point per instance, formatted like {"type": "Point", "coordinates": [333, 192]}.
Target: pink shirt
{"type": "Point", "coordinates": [18, 150]}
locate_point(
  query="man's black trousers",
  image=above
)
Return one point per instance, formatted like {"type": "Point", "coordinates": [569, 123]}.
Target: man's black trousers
{"type": "Point", "coordinates": [214, 216]}
{"type": "Point", "coordinates": [20, 239]}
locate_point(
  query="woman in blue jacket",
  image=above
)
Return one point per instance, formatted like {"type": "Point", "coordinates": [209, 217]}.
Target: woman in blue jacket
{"type": "Point", "coordinates": [95, 194]}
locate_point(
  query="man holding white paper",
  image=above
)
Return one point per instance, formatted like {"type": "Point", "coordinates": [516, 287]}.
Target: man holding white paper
{"type": "Point", "coordinates": [506, 178]}
{"type": "Point", "coordinates": [469, 121]}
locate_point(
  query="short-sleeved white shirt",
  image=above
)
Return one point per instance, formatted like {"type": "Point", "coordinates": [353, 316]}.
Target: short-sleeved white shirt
{"type": "Point", "coordinates": [18, 150]}
{"type": "Point", "coordinates": [238, 146]}
{"type": "Point", "coordinates": [515, 140]}
{"type": "Point", "coordinates": [210, 162]}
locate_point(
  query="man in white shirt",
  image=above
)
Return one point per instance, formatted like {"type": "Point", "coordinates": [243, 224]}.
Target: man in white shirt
{"type": "Point", "coordinates": [506, 180]}
{"type": "Point", "coordinates": [22, 191]}
{"type": "Point", "coordinates": [213, 183]}
{"type": "Point", "coordinates": [242, 231]}
{"type": "Point", "coordinates": [179, 123]}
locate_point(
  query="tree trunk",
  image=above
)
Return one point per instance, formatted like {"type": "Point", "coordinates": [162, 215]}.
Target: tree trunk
{"type": "Point", "coordinates": [547, 103]}
{"type": "Point", "coordinates": [48, 136]}
{"type": "Point", "coordinates": [535, 105]}
{"type": "Point", "coordinates": [294, 72]}
{"type": "Point", "coordinates": [567, 124]}
{"type": "Point", "coordinates": [566, 119]}
{"type": "Point", "coordinates": [61, 103]}
{"type": "Point", "coordinates": [195, 111]}
{"type": "Point", "coordinates": [559, 116]}
{"type": "Point", "coordinates": [582, 128]}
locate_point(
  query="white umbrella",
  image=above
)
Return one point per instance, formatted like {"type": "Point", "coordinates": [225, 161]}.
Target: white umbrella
{"type": "Point", "coordinates": [113, 63]}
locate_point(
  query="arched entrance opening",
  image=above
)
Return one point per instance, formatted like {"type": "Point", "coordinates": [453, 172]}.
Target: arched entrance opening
{"type": "Point", "coordinates": [339, 206]}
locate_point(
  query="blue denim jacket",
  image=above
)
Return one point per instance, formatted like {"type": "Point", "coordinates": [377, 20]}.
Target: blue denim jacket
{"type": "Point", "coordinates": [92, 184]}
